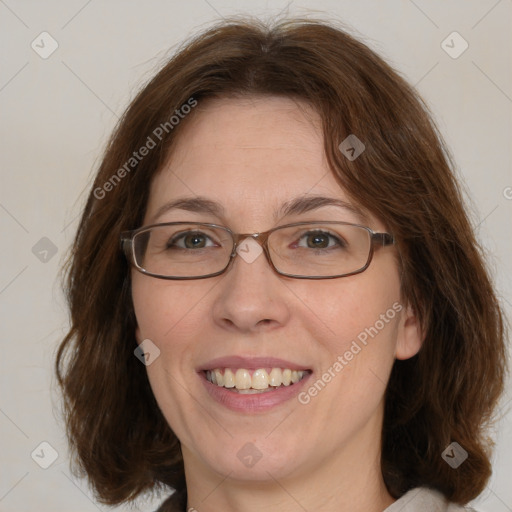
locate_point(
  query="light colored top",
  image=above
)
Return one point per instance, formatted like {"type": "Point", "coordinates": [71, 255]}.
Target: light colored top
{"type": "Point", "coordinates": [422, 499]}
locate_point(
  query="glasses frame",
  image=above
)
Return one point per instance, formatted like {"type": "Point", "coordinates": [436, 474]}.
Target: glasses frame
{"type": "Point", "coordinates": [377, 239]}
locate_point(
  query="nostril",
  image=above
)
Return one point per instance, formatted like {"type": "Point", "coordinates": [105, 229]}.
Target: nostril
{"type": "Point", "coordinates": [265, 321]}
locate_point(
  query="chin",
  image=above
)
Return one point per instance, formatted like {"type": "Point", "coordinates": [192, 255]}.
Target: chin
{"type": "Point", "coordinates": [253, 459]}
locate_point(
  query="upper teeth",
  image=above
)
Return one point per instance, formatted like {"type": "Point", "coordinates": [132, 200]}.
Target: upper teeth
{"type": "Point", "coordinates": [260, 379]}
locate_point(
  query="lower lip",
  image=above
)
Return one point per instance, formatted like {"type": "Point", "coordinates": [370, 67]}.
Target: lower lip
{"type": "Point", "coordinates": [257, 402]}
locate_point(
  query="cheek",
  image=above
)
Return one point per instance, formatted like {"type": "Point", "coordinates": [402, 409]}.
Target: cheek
{"type": "Point", "coordinates": [163, 308]}
{"type": "Point", "coordinates": [358, 308]}
{"type": "Point", "coordinates": [355, 322]}
{"type": "Point", "coordinates": [358, 352]}
{"type": "Point", "coordinates": [167, 313]}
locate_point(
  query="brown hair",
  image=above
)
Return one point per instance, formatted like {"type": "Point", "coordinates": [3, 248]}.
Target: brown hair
{"type": "Point", "coordinates": [446, 393]}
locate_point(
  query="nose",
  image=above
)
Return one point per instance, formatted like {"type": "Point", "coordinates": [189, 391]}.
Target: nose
{"type": "Point", "coordinates": [251, 297]}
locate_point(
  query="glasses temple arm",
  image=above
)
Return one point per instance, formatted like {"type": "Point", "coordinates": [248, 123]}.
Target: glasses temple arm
{"type": "Point", "coordinates": [383, 239]}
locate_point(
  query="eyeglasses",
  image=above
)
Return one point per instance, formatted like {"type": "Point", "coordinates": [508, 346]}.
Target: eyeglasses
{"type": "Point", "coordinates": [303, 250]}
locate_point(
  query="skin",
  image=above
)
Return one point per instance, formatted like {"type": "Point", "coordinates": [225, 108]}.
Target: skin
{"type": "Point", "coordinates": [252, 155]}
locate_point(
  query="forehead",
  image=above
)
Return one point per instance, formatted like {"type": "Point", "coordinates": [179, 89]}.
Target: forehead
{"type": "Point", "coordinates": [249, 154]}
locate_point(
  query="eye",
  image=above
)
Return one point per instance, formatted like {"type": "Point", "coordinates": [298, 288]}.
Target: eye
{"type": "Point", "coordinates": [320, 240]}
{"type": "Point", "coordinates": [190, 240]}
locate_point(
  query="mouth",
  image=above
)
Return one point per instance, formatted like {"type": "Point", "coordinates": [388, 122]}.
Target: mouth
{"type": "Point", "coordinates": [260, 380]}
{"type": "Point", "coordinates": [252, 385]}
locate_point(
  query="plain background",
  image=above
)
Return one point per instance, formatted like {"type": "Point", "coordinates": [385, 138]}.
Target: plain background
{"type": "Point", "coordinates": [58, 112]}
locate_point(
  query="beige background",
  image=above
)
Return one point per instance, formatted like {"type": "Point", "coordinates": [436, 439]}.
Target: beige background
{"type": "Point", "coordinates": [57, 113]}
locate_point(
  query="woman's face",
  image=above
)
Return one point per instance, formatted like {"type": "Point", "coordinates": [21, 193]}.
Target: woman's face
{"type": "Point", "coordinates": [252, 157]}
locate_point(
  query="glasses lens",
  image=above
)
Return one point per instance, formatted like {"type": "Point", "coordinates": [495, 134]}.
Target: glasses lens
{"type": "Point", "coordinates": [182, 250]}
{"type": "Point", "coordinates": [320, 250]}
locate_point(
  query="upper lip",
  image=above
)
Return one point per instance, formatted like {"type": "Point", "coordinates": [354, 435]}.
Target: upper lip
{"type": "Point", "coordinates": [250, 363]}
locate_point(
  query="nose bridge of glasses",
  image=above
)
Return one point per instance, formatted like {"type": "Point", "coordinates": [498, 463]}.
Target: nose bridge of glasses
{"type": "Point", "coordinates": [261, 238]}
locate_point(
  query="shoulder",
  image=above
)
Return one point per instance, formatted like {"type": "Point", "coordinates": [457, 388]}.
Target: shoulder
{"type": "Point", "coordinates": [422, 499]}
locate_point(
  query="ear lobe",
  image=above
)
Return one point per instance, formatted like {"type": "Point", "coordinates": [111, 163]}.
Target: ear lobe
{"type": "Point", "coordinates": [410, 335]}
{"type": "Point", "coordinates": [138, 337]}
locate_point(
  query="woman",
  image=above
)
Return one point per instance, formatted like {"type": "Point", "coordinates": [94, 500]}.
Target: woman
{"type": "Point", "coordinates": [277, 300]}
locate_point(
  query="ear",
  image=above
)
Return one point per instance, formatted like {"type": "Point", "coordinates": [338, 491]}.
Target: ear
{"type": "Point", "coordinates": [410, 334]}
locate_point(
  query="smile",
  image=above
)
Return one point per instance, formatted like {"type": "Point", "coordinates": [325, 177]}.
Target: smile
{"type": "Point", "coordinates": [253, 384]}
{"type": "Point", "coordinates": [261, 380]}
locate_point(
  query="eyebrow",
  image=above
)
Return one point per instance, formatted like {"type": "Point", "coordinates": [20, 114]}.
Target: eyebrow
{"type": "Point", "coordinates": [296, 206]}
{"type": "Point", "coordinates": [305, 204]}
